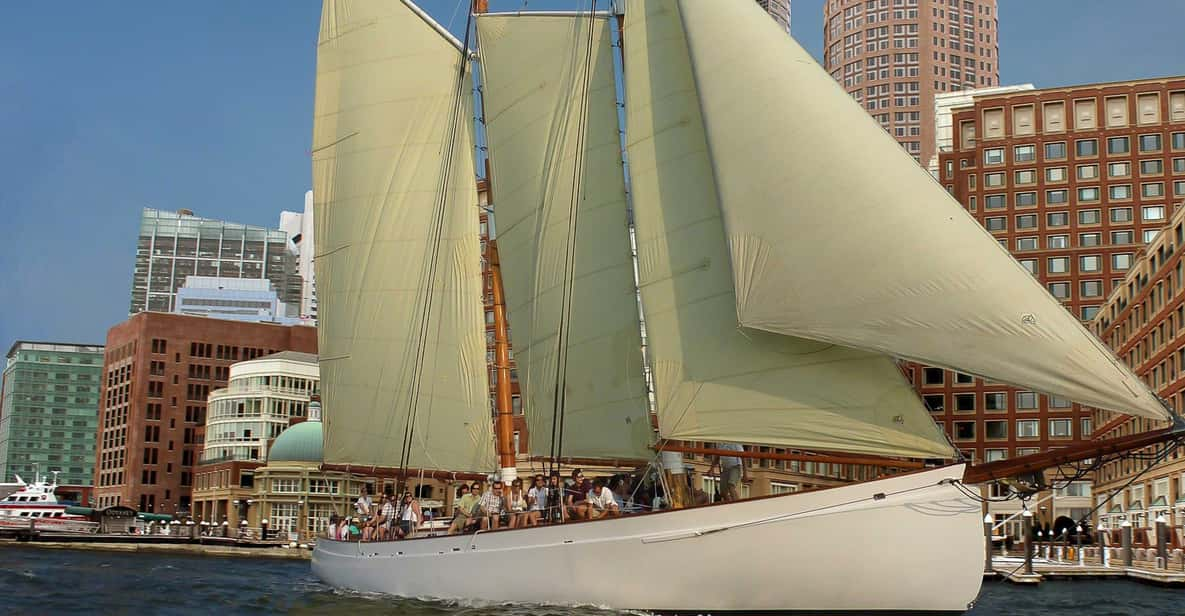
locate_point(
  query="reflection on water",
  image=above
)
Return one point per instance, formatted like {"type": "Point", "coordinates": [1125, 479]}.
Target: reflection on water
{"type": "Point", "coordinates": [44, 581]}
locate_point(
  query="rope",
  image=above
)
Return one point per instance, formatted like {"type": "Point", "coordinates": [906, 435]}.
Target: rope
{"type": "Point", "coordinates": [434, 253]}
{"type": "Point", "coordinates": [561, 373]}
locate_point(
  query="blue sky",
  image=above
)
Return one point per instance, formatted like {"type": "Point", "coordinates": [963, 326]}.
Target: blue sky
{"type": "Point", "coordinates": [108, 107]}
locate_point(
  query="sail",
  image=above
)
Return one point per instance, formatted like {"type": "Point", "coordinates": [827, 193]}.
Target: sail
{"type": "Point", "coordinates": [837, 235]}
{"type": "Point", "coordinates": [386, 121]}
{"type": "Point", "coordinates": [713, 379]}
{"type": "Point", "coordinates": [551, 117]}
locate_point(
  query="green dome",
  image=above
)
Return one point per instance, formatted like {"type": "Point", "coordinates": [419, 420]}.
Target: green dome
{"type": "Point", "coordinates": [299, 443]}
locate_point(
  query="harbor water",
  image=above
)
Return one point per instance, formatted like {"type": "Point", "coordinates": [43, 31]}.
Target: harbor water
{"type": "Point", "coordinates": [48, 581]}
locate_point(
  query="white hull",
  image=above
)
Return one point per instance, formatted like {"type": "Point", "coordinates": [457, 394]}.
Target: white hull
{"type": "Point", "coordinates": [920, 548]}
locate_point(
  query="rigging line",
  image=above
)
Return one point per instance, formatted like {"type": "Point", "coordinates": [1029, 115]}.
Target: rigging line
{"type": "Point", "coordinates": [434, 249]}
{"type": "Point", "coordinates": [573, 227]}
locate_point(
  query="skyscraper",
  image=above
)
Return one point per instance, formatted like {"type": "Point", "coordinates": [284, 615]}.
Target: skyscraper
{"type": "Point", "coordinates": [49, 411]}
{"type": "Point", "coordinates": [174, 245]}
{"type": "Point", "coordinates": [299, 227]}
{"type": "Point", "coordinates": [779, 10]}
{"type": "Point", "coordinates": [894, 56]}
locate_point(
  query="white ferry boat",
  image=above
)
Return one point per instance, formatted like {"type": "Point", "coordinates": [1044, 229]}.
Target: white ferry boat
{"type": "Point", "coordinates": [34, 505]}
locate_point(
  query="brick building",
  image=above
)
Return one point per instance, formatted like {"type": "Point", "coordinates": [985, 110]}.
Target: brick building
{"type": "Point", "coordinates": [893, 56]}
{"type": "Point", "coordinates": [1143, 321]}
{"type": "Point", "coordinates": [157, 373]}
{"type": "Point", "coordinates": [1072, 181]}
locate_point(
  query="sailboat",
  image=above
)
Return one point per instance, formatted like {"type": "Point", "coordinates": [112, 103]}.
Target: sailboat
{"type": "Point", "coordinates": [789, 253]}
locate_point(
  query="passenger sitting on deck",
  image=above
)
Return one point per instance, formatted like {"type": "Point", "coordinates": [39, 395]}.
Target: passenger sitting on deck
{"type": "Point", "coordinates": [600, 501]}
{"type": "Point", "coordinates": [355, 532]}
{"type": "Point", "coordinates": [410, 515]}
{"type": "Point", "coordinates": [463, 516]}
{"type": "Point", "coordinates": [386, 518]}
{"type": "Point", "coordinates": [575, 497]}
{"type": "Point", "coordinates": [516, 504]}
{"type": "Point", "coordinates": [491, 506]}
{"type": "Point", "coordinates": [363, 506]}
{"type": "Point", "coordinates": [555, 499]}
{"type": "Point", "coordinates": [537, 497]}
{"type": "Point", "coordinates": [331, 530]}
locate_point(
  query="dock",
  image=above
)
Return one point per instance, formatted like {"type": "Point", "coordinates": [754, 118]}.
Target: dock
{"type": "Point", "coordinates": [1011, 569]}
{"type": "Point", "coordinates": [185, 548]}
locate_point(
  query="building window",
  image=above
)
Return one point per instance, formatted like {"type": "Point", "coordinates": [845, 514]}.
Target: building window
{"type": "Point", "coordinates": [1029, 264]}
{"type": "Point", "coordinates": [1060, 290]}
{"type": "Point", "coordinates": [1153, 212]}
{"type": "Point", "coordinates": [1089, 263]}
{"type": "Point", "coordinates": [935, 402]}
{"type": "Point", "coordinates": [1061, 428]}
{"type": "Point", "coordinates": [964, 379]}
{"type": "Point", "coordinates": [1151, 167]}
{"type": "Point", "coordinates": [1179, 165]}
{"type": "Point", "coordinates": [1024, 153]}
{"type": "Point", "coordinates": [1087, 172]}
{"type": "Point", "coordinates": [1028, 428]}
{"type": "Point", "coordinates": [1179, 188]}
{"type": "Point", "coordinates": [1057, 219]}
{"type": "Point", "coordinates": [1025, 176]}
{"type": "Point", "coordinates": [993, 455]}
{"type": "Point", "coordinates": [1055, 174]}
{"type": "Point", "coordinates": [1120, 191]}
{"type": "Point", "coordinates": [1152, 190]}
{"type": "Point", "coordinates": [993, 202]}
{"type": "Point", "coordinates": [1058, 402]}
{"type": "Point", "coordinates": [933, 376]}
{"type": "Point", "coordinates": [1026, 400]}
{"type": "Point", "coordinates": [993, 156]}
{"type": "Point", "coordinates": [1149, 143]}
{"type": "Point", "coordinates": [1089, 312]}
{"type": "Point", "coordinates": [1091, 288]}
{"type": "Point", "coordinates": [1150, 234]}
{"type": "Point", "coordinates": [1057, 241]}
{"type": "Point", "coordinates": [1086, 147]}
{"type": "Point", "coordinates": [1121, 261]}
{"type": "Point", "coordinates": [1089, 193]}
{"type": "Point", "coordinates": [285, 486]}
{"type": "Point", "coordinates": [995, 430]}
{"type": "Point", "coordinates": [1026, 243]}
{"type": "Point", "coordinates": [1026, 199]}
{"type": "Point", "coordinates": [1087, 240]}
{"type": "Point", "coordinates": [1027, 221]}
{"type": "Point", "coordinates": [1059, 265]}
{"type": "Point", "coordinates": [1122, 237]}
{"type": "Point", "coordinates": [996, 223]}
{"type": "Point", "coordinates": [1118, 145]}
{"type": "Point", "coordinates": [1121, 214]}
{"type": "Point", "coordinates": [995, 401]}
{"type": "Point", "coordinates": [1087, 428]}
{"type": "Point", "coordinates": [1054, 197]}
{"type": "Point", "coordinates": [964, 403]}
{"type": "Point", "coordinates": [993, 180]}
{"type": "Point", "coordinates": [1055, 151]}
{"type": "Point", "coordinates": [965, 430]}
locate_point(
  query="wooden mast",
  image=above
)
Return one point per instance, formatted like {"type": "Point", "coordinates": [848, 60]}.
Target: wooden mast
{"type": "Point", "coordinates": [503, 411]}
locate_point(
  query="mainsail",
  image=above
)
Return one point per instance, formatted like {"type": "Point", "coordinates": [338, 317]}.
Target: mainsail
{"type": "Point", "coordinates": [714, 379]}
{"type": "Point", "coordinates": [837, 235]}
{"type": "Point", "coordinates": [551, 120]}
{"type": "Point", "coordinates": [393, 171]}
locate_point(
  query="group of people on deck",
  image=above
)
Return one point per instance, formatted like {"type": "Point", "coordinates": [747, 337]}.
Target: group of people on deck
{"type": "Point", "coordinates": [539, 499]}
{"type": "Point", "coordinates": [546, 500]}
{"type": "Point", "coordinates": [389, 518]}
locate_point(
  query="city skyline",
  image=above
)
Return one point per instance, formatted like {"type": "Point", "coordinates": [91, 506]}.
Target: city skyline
{"type": "Point", "coordinates": [210, 108]}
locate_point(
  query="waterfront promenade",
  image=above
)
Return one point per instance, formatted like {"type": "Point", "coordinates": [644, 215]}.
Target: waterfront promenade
{"type": "Point", "coordinates": [191, 549]}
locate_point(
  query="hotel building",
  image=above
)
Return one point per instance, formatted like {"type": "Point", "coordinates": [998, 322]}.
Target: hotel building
{"type": "Point", "coordinates": [1072, 181]}
{"type": "Point", "coordinates": [49, 410]}
{"type": "Point", "coordinates": [158, 372]}
{"type": "Point", "coordinates": [1143, 320]}
{"type": "Point", "coordinates": [894, 56]}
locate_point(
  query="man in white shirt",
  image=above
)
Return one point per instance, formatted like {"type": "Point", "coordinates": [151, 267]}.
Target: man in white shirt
{"type": "Point", "coordinates": [732, 471]}
{"type": "Point", "coordinates": [600, 500]}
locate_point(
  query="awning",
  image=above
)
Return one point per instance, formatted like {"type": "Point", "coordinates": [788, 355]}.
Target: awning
{"type": "Point", "coordinates": [154, 517]}
{"type": "Point", "coordinates": [87, 511]}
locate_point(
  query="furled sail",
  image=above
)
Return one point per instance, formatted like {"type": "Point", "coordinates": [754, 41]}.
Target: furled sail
{"type": "Point", "coordinates": [551, 117]}
{"type": "Point", "coordinates": [392, 170]}
{"type": "Point", "coordinates": [715, 380]}
{"type": "Point", "coordinates": [837, 235]}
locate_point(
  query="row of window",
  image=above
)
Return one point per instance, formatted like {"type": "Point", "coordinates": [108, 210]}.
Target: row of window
{"type": "Point", "coordinates": [1025, 429]}
{"type": "Point", "coordinates": [992, 401]}
{"type": "Point", "coordinates": [1054, 151]}
{"type": "Point", "coordinates": [1118, 238]}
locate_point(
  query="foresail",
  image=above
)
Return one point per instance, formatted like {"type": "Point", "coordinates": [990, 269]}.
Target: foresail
{"type": "Point", "coordinates": [539, 116]}
{"type": "Point", "coordinates": [714, 380]}
{"type": "Point", "coordinates": [385, 124]}
{"type": "Point", "coordinates": [837, 235]}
